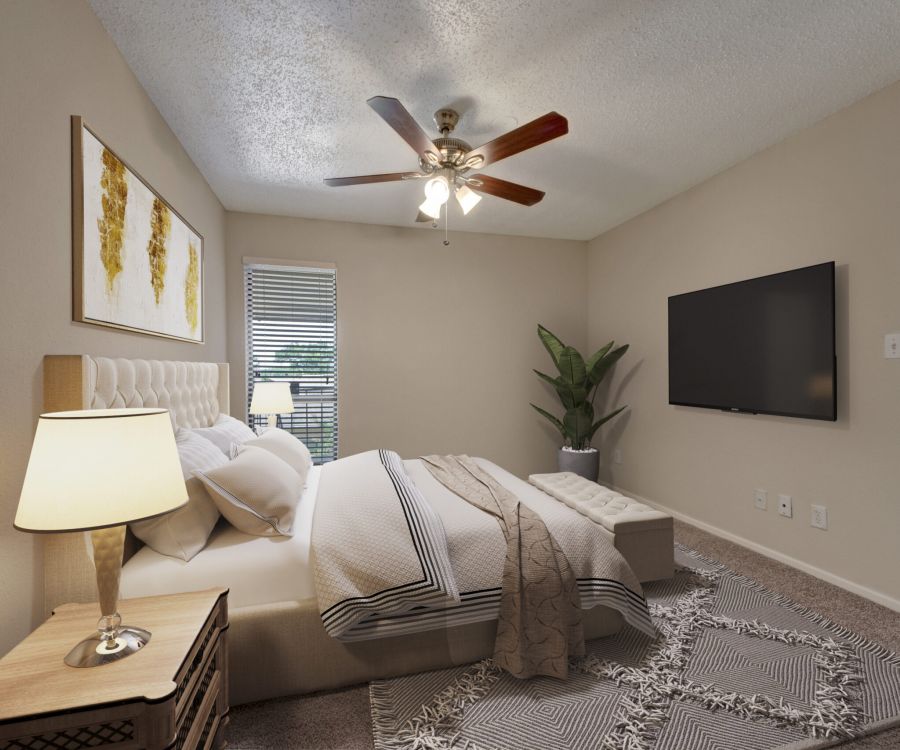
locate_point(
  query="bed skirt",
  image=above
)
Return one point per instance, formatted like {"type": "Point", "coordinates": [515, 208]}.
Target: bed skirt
{"type": "Point", "coordinates": [282, 649]}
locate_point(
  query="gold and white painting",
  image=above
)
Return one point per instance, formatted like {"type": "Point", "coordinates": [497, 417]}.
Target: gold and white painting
{"type": "Point", "coordinates": [138, 264]}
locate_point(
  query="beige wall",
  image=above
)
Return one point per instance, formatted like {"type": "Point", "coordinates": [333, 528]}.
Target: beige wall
{"type": "Point", "coordinates": [435, 344]}
{"type": "Point", "coordinates": [56, 60]}
{"type": "Point", "coordinates": [832, 192]}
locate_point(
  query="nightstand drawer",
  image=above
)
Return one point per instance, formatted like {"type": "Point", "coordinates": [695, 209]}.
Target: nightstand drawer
{"type": "Point", "coordinates": [211, 736]}
{"type": "Point", "coordinates": [201, 709]}
{"type": "Point", "coordinates": [207, 648]}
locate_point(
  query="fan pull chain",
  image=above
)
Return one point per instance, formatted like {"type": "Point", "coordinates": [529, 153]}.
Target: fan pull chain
{"type": "Point", "coordinates": [446, 222]}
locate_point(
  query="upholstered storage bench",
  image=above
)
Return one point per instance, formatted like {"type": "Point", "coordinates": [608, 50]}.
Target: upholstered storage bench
{"type": "Point", "coordinates": [643, 535]}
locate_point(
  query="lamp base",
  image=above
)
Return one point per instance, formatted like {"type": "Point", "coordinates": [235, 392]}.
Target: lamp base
{"type": "Point", "coordinates": [93, 651]}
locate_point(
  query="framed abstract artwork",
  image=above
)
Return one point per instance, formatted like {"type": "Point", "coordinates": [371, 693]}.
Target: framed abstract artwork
{"type": "Point", "coordinates": [137, 263]}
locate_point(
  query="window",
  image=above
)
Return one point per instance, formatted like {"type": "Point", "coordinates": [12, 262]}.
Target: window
{"type": "Point", "coordinates": [292, 337]}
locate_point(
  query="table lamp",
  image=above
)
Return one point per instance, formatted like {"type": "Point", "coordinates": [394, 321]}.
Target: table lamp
{"type": "Point", "coordinates": [97, 470]}
{"type": "Point", "coordinates": [272, 399]}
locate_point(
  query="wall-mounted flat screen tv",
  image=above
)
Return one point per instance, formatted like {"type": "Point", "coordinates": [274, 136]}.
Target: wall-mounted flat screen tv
{"type": "Point", "coordinates": [763, 346]}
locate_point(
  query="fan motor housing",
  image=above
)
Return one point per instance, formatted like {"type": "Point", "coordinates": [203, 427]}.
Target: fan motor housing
{"type": "Point", "coordinates": [446, 120]}
{"type": "Point", "coordinates": [452, 149]}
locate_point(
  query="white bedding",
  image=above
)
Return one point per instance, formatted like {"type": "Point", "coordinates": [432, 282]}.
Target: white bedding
{"type": "Point", "coordinates": [265, 570]}
{"type": "Point", "coordinates": [379, 572]}
{"type": "Point", "coordinates": [257, 570]}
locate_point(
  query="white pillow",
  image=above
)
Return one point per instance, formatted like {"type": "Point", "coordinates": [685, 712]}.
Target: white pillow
{"type": "Point", "coordinates": [284, 445]}
{"type": "Point", "coordinates": [256, 491]}
{"type": "Point", "coordinates": [224, 432]}
{"type": "Point", "coordinates": [184, 532]}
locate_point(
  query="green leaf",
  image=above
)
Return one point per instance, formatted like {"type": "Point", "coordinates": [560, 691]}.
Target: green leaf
{"type": "Point", "coordinates": [577, 423]}
{"type": "Point", "coordinates": [600, 422]}
{"type": "Point", "coordinates": [603, 365]}
{"type": "Point", "coordinates": [551, 343]}
{"type": "Point", "coordinates": [571, 366]}
{"type": "Point", "coordinates": [554, 420]}
{"type": "Point", "coordinates": [571, 395]}
{"type": "Point", "coordinates": [545, 377]}
{"type": "Point", "coordinates": [597, 356]}
{"type": "Point", "coordinates": [566, 396]}
{"type": "Point", "coordinates": [565, 392]}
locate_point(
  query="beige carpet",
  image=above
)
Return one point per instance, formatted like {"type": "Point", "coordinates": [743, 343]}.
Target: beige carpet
{"type": "Point", "coordinates": [340, 720]}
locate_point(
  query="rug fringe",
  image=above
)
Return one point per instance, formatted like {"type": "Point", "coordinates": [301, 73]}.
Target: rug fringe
{"type": "Point", "coordinates": [384, 718]}
{"type": "Point", "coordinates": [440, 717]}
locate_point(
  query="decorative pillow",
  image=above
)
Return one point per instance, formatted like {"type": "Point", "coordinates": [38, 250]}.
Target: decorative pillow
{"type": "Point", "coordinates": [284, 445]}
{"type": "Point", "coordinates": [224, 432]}
{"type": "Point", "coordinates": [184, 532]}
{"type": "Point", "coordinates": [256, 491]}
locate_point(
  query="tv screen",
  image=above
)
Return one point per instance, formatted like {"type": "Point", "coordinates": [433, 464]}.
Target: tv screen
{"type": "Point", "coordinates": [764, 346]}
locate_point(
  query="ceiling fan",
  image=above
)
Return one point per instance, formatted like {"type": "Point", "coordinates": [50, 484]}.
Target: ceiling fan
{"type": "Point", "coordinates": [447, 161]}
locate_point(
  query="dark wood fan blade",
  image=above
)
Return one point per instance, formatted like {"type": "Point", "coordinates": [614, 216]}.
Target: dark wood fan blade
{"type": "Point", "coordinates": [395, 115]}
{"type": "Point", "coordinates": [366, 179]}
{"type": "Point", "coordinates": [509, 190]}
{"type": "Point", "coordinates": [531, 134]}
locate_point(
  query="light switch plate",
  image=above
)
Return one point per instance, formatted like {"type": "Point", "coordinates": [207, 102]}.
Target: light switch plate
{"type": "Point", "coordinates": [785, 506]}
{"type": "Point", "coordinates": [760, 499]}
{"type": "Point", "coordinates": [892, 346]}
{"type": "Point", "coordinates": [818, 517]}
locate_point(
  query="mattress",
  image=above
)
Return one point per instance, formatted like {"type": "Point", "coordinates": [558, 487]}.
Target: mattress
{"type": "Point", "coordinates": [256, 569]}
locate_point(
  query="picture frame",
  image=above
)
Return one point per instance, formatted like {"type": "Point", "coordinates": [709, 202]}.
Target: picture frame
{"type": "Point", "coordinates": [137, 264]}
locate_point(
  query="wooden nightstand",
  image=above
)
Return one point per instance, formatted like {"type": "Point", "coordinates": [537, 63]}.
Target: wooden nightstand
{"type": "Point", "coordinates": [171, 695]}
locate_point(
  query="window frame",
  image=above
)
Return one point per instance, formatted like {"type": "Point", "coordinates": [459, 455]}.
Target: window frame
{"type": "Point", "coordinates": [323, 449]}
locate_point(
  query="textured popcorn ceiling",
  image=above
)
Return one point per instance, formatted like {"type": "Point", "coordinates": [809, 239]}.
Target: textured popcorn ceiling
{"type": "Point", "coordinates": [268, 97]}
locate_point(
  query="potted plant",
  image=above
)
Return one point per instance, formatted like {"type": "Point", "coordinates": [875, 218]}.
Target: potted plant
{"type": "Point", "coordinates": [576, 386]}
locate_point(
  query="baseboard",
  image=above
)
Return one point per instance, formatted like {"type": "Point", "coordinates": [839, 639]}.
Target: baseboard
{"type": "Point", "coordinates": [871, 594]}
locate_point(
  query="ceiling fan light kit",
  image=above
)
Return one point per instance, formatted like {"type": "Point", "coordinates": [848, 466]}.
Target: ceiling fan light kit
{"type": "Point", "coordinates": [431, 209]}
{"type": "Point", "coordinates": [446, 161]}
{"type": "Point", "coordinates": [466, 198]}
{"type": "Point", "coordinates": [437, 189]}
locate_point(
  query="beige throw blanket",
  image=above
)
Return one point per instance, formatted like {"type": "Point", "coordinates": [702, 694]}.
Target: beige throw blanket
{"type": "Point", "coordinates": [539, 624]}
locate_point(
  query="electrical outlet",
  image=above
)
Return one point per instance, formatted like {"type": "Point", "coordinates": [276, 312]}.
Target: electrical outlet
{"type": "Point", "coordinates": [818, 517]}
{"type": "Point", "coordinates": [617, 456]}
{"type": "Point", "coordinates": [892, 346]}
{"type": "Point", "coordinates": [760, 499]}
{"type": "Point", "coordinates": [785, 506]}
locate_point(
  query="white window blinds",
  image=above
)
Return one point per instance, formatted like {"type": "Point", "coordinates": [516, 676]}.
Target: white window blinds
{"type": "Point", "coordinates": [292, 337]}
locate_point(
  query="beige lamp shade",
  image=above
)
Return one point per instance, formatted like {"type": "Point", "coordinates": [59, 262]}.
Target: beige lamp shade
{"type": "Point", "coordinates": [272, 398]}
{"type": "Point", "coordinates": [98, 468]}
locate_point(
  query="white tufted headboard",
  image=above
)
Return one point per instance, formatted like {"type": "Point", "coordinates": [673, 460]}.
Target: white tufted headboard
{"type": "Point", "coordinates": [195, 393]}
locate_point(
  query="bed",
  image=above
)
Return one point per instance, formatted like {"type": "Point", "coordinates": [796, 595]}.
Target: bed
{"type": "Point", "coordinates": [278, 644]}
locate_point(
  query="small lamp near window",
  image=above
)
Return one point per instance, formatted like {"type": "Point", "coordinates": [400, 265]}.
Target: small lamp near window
{"type": "Point", "coordinates": [272, 399]}
{"type": "Point", "coordinates": [97, 470]}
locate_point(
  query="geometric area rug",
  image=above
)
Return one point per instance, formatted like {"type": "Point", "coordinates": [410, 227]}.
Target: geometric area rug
{"type": "Point", "coordinates": [734, 667]}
